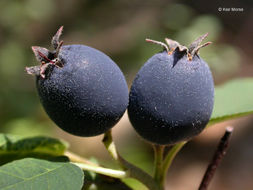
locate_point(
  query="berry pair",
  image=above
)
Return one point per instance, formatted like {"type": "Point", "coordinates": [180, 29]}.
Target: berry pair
{"type": "Point", "coordinates": [84, 92]}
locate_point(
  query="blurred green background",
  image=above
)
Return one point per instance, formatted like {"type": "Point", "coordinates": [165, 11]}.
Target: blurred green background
{"type": "Point", "coordinates": [119, 29]}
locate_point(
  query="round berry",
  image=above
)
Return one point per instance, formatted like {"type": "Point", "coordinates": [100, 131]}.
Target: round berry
{"type": "Point", "coordinates": [82, 90]}
{"type": "Point", "coordinates": [171, 98]}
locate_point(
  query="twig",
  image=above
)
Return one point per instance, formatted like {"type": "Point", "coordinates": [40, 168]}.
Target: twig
{"type": "Point", "coordinates": [219, 154]}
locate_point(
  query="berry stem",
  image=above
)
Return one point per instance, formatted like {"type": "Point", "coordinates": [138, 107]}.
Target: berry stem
{"type": "Point", "coordinates": [132, 170]}
{"type": "Point", "coordinates": [158, 163]}
{"type": "Point", "coordinates": [111, 147]}
{"type": "Point", "coordinates": [219, 154]}
{"type": "Point", "coordinates": [85, 164]}
{"type": "Point", "coordinates": [76, 158]}
{"type": "Point", "coordinates": [169, 158]}
{"type": "Point", "coordinates": [102, 170]}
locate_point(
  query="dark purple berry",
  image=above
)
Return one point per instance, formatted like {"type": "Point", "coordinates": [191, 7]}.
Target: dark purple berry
{"type": "Point", "coordinates": [172, 96]}
{"type": "Point", "coordinates": [82, 90]}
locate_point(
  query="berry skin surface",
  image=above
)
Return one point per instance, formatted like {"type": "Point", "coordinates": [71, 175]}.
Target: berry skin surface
{"type": "Point", "coordinates": [171, 98]}
{"type": "Point", "coordinates": [86, 94]}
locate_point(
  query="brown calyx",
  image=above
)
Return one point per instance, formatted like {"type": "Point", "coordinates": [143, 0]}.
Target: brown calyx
{"type": "Point", "coordinates": [46, 57]}
{"type": "Point", "coordinates": [171, 45]}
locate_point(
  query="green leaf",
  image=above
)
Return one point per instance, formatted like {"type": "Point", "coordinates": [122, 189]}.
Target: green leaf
{"type": "Point", "coordinates": [233, 99]}
{"type": "Point", "coordinates": [35, 174]}
{"type": "Point", "coordinates": [14, 147]}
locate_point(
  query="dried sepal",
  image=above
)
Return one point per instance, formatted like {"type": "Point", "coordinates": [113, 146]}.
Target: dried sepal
{"type": "Point", "coordinates": [197, 42]}
{"type": "Point", "coordinates": [189, 56]}
{"type": "Point", "coordinates": [182, 48]}
{"type": "Point", "coordinates": [196, 50]}
{"type": "Point", "coordinates": [56, 43]}
{"type": "Point", "coordinates": [172, 45]}
{"type": "Point", "coordinates": [58, 63]}
{"type": "Point", "coordinates": [158, 43]}
{"type": "Point", "coordinates": [38, 70]}
{"type": "Point", "coordinates": [58, 48]}
{"type": "Point", "coordinates": [43, 69]}
{"type": "Point", "coordinates": [35, 70]}
{"type": "Point", "coordinates": [45, 57]}
{"type": "Point", "coordinates": [40, 53]}
{"type": "Point", "coordinates": [196, 45]}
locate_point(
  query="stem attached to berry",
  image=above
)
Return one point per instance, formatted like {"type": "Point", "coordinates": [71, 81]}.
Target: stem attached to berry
{"type": "Point", "coordinates": [132, 171]}
{"type": "Point", "coordinates": [85, 164]}
{"type": "Point", "coordinates": [158, 163]}
{"type": "Point", "coordinates": [110, 146]}
{"type": "Point", "coordinates": [170, 157]}
{"type": "Point", "coordinates": [76, 158]}
{"type": "Point", "coordinates": [102, 170]}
